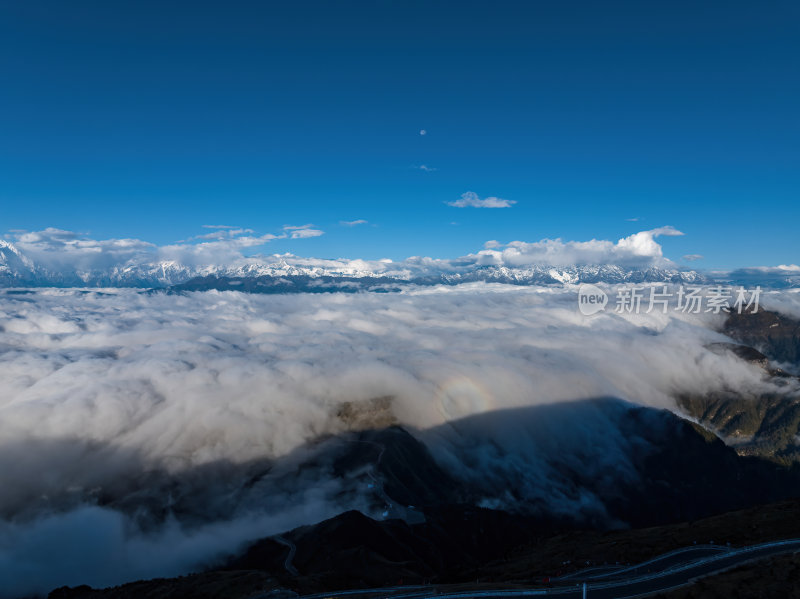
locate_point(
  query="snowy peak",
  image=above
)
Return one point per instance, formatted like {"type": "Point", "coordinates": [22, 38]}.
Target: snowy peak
{"type": "Point", "coordinates": [13, 265]}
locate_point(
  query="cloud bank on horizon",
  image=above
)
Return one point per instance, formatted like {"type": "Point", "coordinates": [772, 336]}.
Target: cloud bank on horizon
{"type": "Point", "coordinates": [55, 257]}
{"type": "Point", "coordinates": [66, 251]}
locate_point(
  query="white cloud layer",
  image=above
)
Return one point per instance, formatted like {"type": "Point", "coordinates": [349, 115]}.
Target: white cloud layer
{"type": "Point", "coordinates": [100, 389]}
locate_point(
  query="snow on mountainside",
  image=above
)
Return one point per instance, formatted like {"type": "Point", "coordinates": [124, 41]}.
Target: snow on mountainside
{"type": "Point", "coordinates": [13, 265]}
{"type": "Point", "coordinates": [18, 270]}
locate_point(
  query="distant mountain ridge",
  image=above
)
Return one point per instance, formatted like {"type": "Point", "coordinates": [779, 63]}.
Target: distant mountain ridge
{"type": "Point", "coordinates": [288, 274]}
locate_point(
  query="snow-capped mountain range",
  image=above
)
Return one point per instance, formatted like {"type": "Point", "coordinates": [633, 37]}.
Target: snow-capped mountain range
{"type": "Point", "coordinates": [18, 270]}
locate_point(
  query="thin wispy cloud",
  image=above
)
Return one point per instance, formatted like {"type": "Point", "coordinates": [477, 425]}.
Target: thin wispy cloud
{"type": "Point", "coordinates": [470, 199]}
{"type": "Point", "coordinates": [353, 223]}
{"type": "Point", "coordinates": [693, 257]}
{"type": "Point", "coordinates": [223, 233]}
{"type": "Point", "coordinates": [426, 168]}
{"type": "Point", "coordinates": [635, 219]}
{"type": "Point", "coordinates": [302, 231]}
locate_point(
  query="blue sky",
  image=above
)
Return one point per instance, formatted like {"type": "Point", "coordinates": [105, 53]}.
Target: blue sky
{"type": "Point", "coordinates": [150, 120]}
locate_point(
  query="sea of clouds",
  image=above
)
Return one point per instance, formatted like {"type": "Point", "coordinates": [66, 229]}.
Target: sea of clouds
{"type": "Point", "coordinates": [116, 405]}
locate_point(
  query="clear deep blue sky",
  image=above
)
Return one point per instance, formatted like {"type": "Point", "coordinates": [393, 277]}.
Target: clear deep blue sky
{"type": "Point", "coordinates": [150, 119]}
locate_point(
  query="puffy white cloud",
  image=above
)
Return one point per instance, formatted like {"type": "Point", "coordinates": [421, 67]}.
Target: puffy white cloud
{"type": "Point", "coordinates": [470, 199]}
{"type": "Point", "coordinates": [644, 244]}
{"type": "Point", "coordinates": [216, 249]}
{"type": "Point", "coordinates": [61, 249]}
{"type": "Point", "coordinates": [639, 249]}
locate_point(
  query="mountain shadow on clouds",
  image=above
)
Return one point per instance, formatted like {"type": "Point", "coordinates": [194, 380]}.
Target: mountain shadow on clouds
{"type": "Point", "coordinates": [371, 507]}
{"type": "Point", "coordinates": [601, 463]}
{"type": "Point", "coordinates": [664, 470]}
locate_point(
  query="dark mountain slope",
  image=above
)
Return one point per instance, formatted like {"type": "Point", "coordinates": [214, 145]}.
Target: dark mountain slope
{"type": "Point", "coordinates": [774, 334]}
{"type": "Point", "coordinates": [766, 424]}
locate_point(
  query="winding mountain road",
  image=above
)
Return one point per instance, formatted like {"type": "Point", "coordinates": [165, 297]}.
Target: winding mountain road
{"type": "Point", "coordinates": [669, 571]}
{"type": "Point", "coordinates": [292, 552]}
